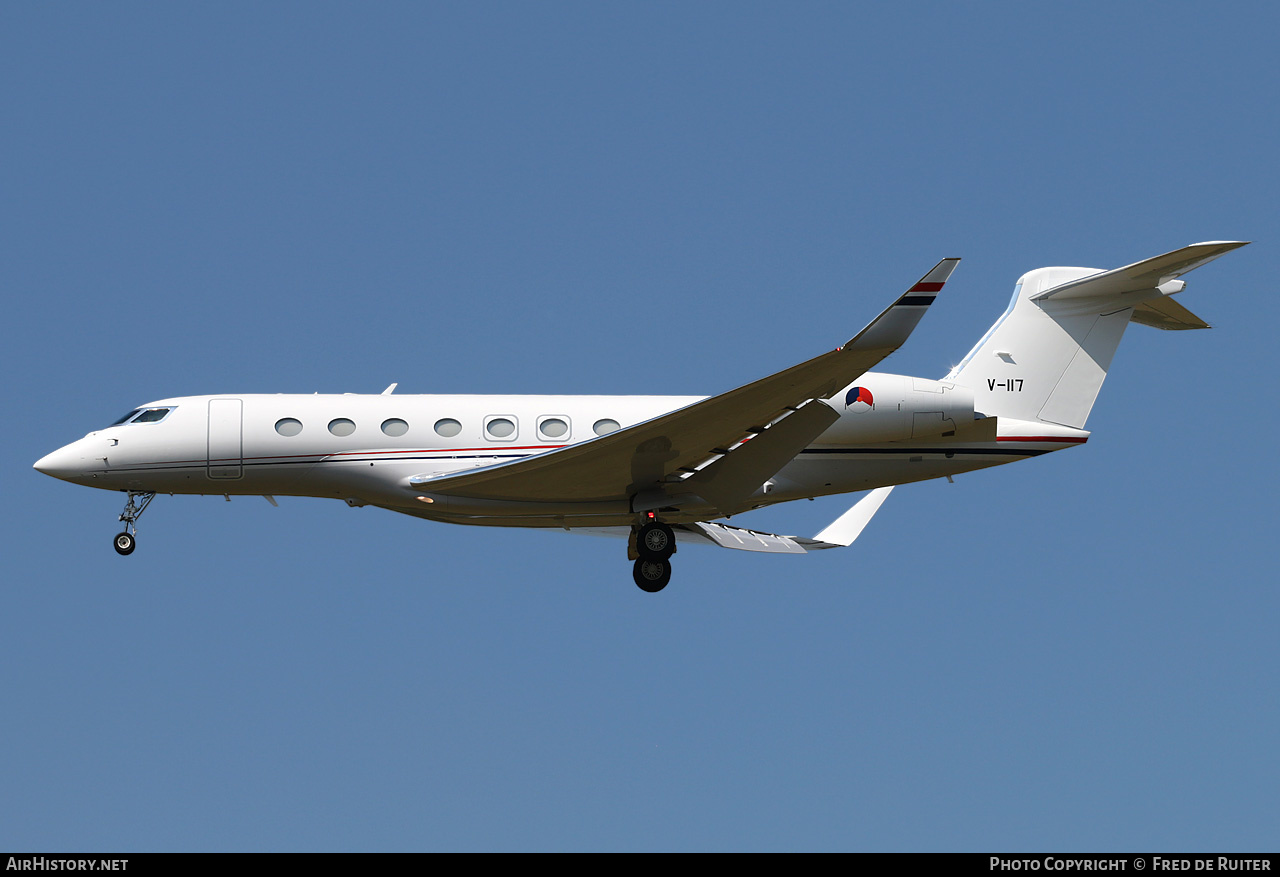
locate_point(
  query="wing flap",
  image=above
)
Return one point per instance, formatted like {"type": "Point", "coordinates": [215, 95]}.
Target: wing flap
{"type": "Point", "coordinates": [840, 534]}
{"type": "Point", "coordinates": [741, 472]}
{"type": "Point", "coordinates": [747, 540]}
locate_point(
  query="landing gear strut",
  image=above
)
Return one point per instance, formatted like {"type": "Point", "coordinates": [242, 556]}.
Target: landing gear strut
{"type": "Point", "coordinates": [654, 544]}
{"type": "Point", "coordinates": [128, 540]}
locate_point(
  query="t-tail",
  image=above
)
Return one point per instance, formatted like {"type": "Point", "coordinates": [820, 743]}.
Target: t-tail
{"type": "Point", "coordinates": [1046, 357]}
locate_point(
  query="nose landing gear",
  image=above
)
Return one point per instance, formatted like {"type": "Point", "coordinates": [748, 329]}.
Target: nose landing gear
{"type": "Point", "coordinates": [654, 544]}
{"type": "Point", "coordinates": [125, 542]}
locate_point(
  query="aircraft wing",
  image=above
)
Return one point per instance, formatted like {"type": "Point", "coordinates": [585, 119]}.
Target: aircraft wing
{"type": "Point", "coordinates": [647, 462]}
{"type": "Point", "coordinates": [841, 534]}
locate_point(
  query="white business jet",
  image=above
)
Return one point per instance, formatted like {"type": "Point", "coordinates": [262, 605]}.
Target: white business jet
{"type": "Point", "coordinates": [659, 470]}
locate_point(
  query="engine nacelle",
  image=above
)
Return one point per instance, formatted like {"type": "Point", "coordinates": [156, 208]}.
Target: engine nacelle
{"type": "Point", "coordinates": [895, 408]}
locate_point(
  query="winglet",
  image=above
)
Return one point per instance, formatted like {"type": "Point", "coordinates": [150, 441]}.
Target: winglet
{"type": "Point", "coordinates": [849, 526]}
{"type": "Point", "coordinates": [931, 284]}
{"type": "Point", "coordinates": [899, 320]}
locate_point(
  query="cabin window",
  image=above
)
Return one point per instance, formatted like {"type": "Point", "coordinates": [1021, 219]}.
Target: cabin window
{"type": "Point", "coordinates": [288, 426]}
{"type": "Point", "coordinates": [341, 427]}
{"type": "Point", "coordinates": [605, 426]}
{"type": "Point", "coordinates": [553, 427]}
{"type": "Point", "coordinates": [503, 428]}
{"type": "Point", "coordinates": [448, 427]}
{"type": "Point", "coordinates": [395, 427]}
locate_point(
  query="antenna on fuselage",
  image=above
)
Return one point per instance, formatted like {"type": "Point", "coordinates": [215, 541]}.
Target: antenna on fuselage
{"type": "Point", "coordinates": [389, 390]}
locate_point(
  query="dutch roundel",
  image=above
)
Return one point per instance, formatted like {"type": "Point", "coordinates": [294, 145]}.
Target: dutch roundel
{"type": "Point", "coordinates": [859, 399]}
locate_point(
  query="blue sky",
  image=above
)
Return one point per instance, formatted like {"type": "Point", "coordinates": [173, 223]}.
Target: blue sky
{"type": "Point", "coordinates": [1071, 653]}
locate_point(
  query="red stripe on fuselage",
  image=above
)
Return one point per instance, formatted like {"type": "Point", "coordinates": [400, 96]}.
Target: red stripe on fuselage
{"type": "Point", "coordinates": [323, 456]}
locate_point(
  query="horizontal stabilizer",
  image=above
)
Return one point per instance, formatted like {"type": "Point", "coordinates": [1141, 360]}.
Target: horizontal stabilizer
{"type": "Point", "coordinates": [1144, 275]}
{"type": "Point", "coordinates": [1165, 313]}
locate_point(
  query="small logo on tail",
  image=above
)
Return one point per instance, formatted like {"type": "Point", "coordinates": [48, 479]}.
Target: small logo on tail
{"type": "Point", "coordinates": [859, 399]}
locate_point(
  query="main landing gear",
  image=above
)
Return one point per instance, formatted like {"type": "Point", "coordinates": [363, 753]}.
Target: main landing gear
{"type": "Point", "coordinates": [653, 545]}
{"type": "Point", "coordinates": [128, 540]}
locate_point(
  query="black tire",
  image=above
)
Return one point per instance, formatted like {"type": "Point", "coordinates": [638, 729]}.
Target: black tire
{"type": "Point", "coordinates": [125, 543]}
{"type": "Point", "coordinates": [651, 575]}
{"type": "Point", "coordinates": [655, 542]}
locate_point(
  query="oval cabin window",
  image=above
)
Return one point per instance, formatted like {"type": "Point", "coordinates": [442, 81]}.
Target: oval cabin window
{"type": "Point", "coordinates": [554, 427]}
{"type": "Point", "coordinates": [500, 427]}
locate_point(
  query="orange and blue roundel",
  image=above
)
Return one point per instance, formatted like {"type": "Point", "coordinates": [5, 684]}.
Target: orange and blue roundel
{"type": "Point", "coordinates": [859, 399]}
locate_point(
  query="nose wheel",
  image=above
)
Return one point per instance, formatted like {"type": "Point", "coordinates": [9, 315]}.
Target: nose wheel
{"type": "Point", "coordinates": [125, 542]}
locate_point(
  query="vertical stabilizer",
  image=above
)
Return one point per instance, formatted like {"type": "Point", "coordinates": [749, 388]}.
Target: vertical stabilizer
{"type": "Point", "coordinates": [1046, 357]}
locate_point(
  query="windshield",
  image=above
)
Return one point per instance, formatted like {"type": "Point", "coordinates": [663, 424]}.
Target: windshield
{"type": "Point", "coordinates": [152, 415]}
{"type": "Point", "coordinates": [144, 415]}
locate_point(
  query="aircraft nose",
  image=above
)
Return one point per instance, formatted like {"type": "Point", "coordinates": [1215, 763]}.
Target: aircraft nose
{"type": "Point", "coordinates": [65, 463]}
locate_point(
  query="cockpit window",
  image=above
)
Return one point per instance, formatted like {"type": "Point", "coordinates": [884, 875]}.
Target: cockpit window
{"type": "Point", "coordinates": [144, 415]}
{"type": "Point", "coordinates": [152, 415]}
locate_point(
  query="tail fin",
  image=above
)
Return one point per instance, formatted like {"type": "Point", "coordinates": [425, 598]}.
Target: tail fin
{"type": "Point", "coordinates": [1046, 357]}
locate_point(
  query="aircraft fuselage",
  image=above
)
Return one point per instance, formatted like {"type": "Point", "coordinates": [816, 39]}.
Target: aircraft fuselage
{"type": "Point", "coordinates": [365, 448]}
